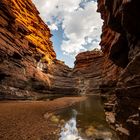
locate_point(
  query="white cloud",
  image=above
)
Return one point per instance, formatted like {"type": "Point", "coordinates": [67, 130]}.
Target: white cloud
{"type": "Point", "coordinates": [82, 26]}
{"type": "Point", "coordinates": [53, 27]}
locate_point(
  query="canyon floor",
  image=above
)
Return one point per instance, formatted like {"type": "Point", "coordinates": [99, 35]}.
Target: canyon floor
{"type": "Point", "coordinates": [29, 120]}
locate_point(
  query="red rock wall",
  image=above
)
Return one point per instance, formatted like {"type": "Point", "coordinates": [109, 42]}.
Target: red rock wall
{"type": "Point", "coordinates": [28, 65]}
{"type": "Point", "coordinates": [98, 73]}
{"type": "Point", "coordinates": [110, 75]}
{"type": "Point", "coordinates": [120, 42]}
{"type": "Point", "coordinates": [88, 71]}
{"type": "Point", "coordinates": [22, 20]}
{"type": "Point", "coordinates": [27, 58]}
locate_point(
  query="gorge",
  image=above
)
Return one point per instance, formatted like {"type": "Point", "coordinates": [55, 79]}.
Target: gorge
{"type": "Point", "coordinates": [29, 69]}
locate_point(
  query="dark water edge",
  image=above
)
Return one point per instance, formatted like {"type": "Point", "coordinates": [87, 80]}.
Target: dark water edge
{"type": "Point", "coordinates": [91, 122]}
{"type": "Point", "coordinates": [44, 97]}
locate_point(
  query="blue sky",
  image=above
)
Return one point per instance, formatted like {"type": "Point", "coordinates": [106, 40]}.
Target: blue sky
{"type": "Point", "coordinates": [57, 40]}
{"type": "Point", "coordinates": [75, 25]}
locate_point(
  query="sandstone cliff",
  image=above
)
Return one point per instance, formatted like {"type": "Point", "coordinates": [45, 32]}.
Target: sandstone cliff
{"type": "Point", "coordinates": [28, 65]}
{"type": "Point", "coordinates": [120, 42]}
{"type": "Point", "coordinates": [98, 73]}
{"type": "Point", "coordinates": [118, 69]}
{"type": "Point", "coordinates": [88, 71]}
{"type": "Point", "coordinates": [29, 68]}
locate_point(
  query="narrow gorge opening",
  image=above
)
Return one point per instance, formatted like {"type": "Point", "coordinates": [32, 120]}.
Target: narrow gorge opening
{"type": "Point", "coordinates": [75, 26]}
{"type": "Point", "coordinates": [41, 98]}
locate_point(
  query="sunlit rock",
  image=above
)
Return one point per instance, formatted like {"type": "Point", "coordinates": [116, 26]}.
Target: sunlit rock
{"type": "Point", "coordinates": [90, 131]}
{"type": "Point", "coordinates": [40, 66]}
{"type": "Point", "coordinates": [54, 119]}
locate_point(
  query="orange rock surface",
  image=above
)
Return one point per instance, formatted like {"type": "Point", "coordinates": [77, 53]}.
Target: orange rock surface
{"type": "Point", "coordinates": [28, 64]}
{"type": "Point", "coordinates": [26, 21]}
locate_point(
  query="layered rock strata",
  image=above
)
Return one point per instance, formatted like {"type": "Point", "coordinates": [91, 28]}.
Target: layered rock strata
{"type": "Point", "coordinates": [29, 68]}
{"type": "Point", "coordinates": [88, 71]}
{"type": "Point", "coordinates": [120, 42]}
{"type": "Point", "coordinates": [95, 72]}
{"type": "Point", "coordinates": [28, 65]}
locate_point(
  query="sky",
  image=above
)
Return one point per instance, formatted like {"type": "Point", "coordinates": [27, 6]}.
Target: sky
{"type": "Point", "coordinates": [75, 25]}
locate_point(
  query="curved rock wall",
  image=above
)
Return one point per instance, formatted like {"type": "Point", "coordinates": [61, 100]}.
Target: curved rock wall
{"type": "Point", "coordinates": [120, 41]}
{"type": "Point", "coordinates": [88, 71]}
{"type": "Point", "coordinates": [29, 69]}
{"type": "Point", "coordinates": [96, 72]}
{"type": "Point", "coordinates": [28, 65]}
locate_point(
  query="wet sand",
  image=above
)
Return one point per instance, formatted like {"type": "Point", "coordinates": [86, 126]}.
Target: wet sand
{"type": "Point", "coordinates": [24, 120]}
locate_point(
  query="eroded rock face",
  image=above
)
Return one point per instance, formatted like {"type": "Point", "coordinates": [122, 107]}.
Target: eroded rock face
{"type": "Point", "coordinates": [88, 71]}
{"type": "Point", "coordinates": [28, 65]}
{"type": "Point", "coordinates": [98, 73]}
{"type": "Point", "coordinates": [120, 41]}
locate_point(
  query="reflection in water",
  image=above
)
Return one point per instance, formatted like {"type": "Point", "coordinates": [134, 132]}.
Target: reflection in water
{"type": "Point", "coordinates": [70, 132]}
{"type": "Point", "coordinates": [87, 122]}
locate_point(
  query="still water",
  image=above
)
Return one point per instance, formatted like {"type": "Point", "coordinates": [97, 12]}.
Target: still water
{"type": "Point", "coordinates": [86, 121]}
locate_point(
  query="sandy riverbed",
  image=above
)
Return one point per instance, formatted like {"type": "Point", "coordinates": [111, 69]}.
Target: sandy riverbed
{"type": "Point", "coordinates": [24, 120]}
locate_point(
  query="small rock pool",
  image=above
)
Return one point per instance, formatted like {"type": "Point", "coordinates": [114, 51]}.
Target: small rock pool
{"type": "Point", "coordinates": [85, 121]}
